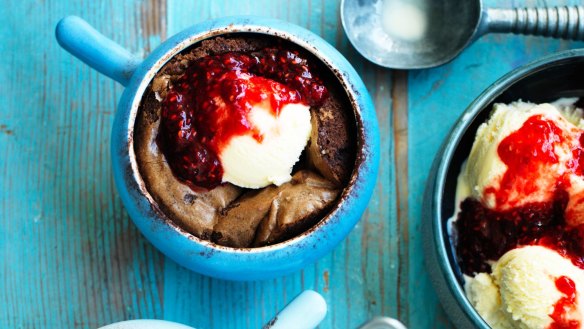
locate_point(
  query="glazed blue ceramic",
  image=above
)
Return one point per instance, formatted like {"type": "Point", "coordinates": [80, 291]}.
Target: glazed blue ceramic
{"type": "Point", "coordinates": [80, 39]}
{"type": "Point", "coordinates": [545, 80]}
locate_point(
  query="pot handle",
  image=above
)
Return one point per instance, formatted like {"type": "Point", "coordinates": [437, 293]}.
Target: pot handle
{"type": "Point", "coordinates": [305, 311]}
{"type": "Point", "coordinates": [101, 53]}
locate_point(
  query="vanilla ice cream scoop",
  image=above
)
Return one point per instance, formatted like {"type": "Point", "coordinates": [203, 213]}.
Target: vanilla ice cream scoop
{"type": "Point", "coordinates": [531, 287]}
{"type": "Point", "coordinates": [250, 163]}
{"type": "Point", "coordinates": [519, 155]}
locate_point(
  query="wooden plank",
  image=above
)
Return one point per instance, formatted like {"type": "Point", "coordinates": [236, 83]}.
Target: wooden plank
{"type": "Point", "coordinates": [70, 256]}
{"type": "Point", "coordinates": [399, 97]}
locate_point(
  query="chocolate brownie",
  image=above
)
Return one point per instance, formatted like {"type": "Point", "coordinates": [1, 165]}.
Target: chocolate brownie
{"type": "Point", "coordinates": [234, 216]}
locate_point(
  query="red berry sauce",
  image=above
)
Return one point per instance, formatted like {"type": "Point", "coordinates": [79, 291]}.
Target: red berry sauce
{"type": "Point", "coordinates": [210, 104]}
{"type": "Point", "coordinates": [565, 305]}
{"type": "Point", "coordinates": [485, 234]}
{"type": "Point", "coordinates": [527, 152]}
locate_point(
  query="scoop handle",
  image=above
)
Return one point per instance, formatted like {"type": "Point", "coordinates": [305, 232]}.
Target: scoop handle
{"type": "Point", "coordinates": [565, 22]}
{"type": "Point", "coordinates": [101, 53]}
{"type": "Point", "coordinates": [305, 311]}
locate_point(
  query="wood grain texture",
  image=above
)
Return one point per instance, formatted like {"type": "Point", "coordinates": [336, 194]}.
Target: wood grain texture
{"type": "Point", "coordinates": [70, 256]}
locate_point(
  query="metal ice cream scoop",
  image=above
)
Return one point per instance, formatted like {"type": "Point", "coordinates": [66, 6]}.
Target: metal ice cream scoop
{"type": "Point", "coordinates": [415, 34]}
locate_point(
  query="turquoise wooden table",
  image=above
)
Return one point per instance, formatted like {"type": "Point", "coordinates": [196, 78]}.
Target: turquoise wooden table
{"type": "Point", "coordinates": [70, 256]}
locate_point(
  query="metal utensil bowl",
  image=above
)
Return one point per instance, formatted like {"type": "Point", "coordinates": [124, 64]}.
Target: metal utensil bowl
{"type": "Point", "coordinates": [450, 26]}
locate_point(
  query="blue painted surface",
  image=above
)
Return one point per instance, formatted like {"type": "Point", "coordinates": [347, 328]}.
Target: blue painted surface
{"type": "Point", "coordinates": [71, 258]}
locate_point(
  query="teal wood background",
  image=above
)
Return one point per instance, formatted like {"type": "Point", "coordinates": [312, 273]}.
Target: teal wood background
{"type": "Point", "coordinates": [70, 256]}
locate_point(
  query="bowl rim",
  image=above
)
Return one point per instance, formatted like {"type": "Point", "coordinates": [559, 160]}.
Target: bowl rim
{"type": "Point", "coordinates": [446, 155]}
{"type": "Point", "coordinates": [353, 199]}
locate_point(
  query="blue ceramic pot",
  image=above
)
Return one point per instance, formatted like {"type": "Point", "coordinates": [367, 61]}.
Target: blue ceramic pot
{"type": "Point", "coordinates": [545, 80]}
{"type": "Point", "coordinates": [80, 39]}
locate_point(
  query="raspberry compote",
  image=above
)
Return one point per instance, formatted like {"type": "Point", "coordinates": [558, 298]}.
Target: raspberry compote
{"type": "Point", "coordinates": [210, 104]}
{"type": "Point", "coordinates": [485, 234]}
